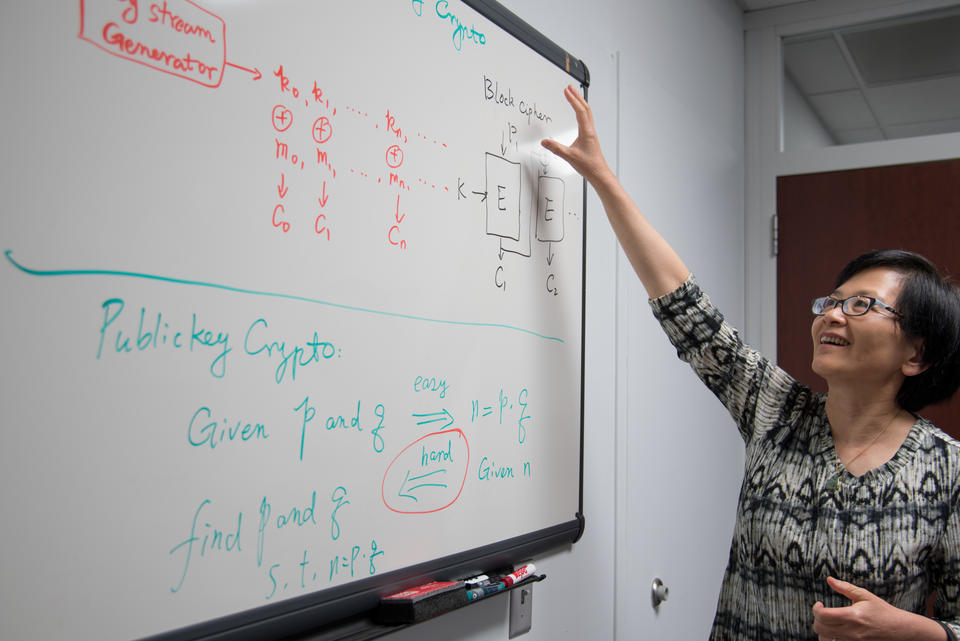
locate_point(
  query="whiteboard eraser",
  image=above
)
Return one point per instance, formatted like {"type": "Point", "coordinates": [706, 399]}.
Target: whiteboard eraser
{"type": "Point", "coordinates": [422, 602]}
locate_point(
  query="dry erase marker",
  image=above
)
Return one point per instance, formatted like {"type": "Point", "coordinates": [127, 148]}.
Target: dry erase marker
{"type": "Point", "coordinates": [519, 574]}
{"type": "Point", "coordinates": [485, 591]}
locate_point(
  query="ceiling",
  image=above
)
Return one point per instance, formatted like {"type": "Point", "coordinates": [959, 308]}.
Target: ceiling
{"type": "Point", "coordinates": [896, 78]}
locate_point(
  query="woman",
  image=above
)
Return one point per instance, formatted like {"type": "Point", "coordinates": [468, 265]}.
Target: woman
{"type": "Point", "coordinates": [847, 518]}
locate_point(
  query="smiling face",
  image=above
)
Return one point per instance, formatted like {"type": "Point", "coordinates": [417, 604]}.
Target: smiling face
{"type": "Point", "coordinates": [868, 350]}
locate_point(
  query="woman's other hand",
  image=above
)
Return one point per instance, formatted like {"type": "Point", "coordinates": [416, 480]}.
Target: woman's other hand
{"type": "Point", "coordinates": [869, 617]}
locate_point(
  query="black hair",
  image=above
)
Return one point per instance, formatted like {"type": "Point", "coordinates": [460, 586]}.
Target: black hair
{"type": "Point", "coordinates": [929, 309]}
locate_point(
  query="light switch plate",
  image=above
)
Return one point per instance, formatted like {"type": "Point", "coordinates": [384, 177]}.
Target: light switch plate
{"type": "Point", "coordinates": [521, 610]}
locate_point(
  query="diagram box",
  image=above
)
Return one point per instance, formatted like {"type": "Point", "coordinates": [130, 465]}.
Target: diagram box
{"type": "Point", "coordinates": [550, 192]}
{"type": "Point", "coordinates": [503, 197]}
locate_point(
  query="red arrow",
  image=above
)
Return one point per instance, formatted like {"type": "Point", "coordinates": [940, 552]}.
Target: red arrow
{"type": "Point", "coordinates": [324, 197]}
{"type": "Point", "coordinates": [280, 188]}
{"type": "Point", "coordinates": [256, 72]}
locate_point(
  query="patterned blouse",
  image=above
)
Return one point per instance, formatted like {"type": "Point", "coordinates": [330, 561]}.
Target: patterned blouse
{"type": "Point", "coordinates": [894, 531]}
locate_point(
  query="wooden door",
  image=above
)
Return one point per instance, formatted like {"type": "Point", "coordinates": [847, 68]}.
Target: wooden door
{"type": "Point", "coordinates": [826, 219]}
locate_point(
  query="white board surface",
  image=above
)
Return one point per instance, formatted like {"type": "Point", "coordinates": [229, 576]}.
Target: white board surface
{"type": "Point", "coordinates": [292, 298]}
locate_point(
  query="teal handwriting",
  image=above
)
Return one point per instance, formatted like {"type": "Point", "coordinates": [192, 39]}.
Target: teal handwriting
{"type": "Point", "coordinates": [296, 516]}
{"type": "Point", "coordinates": [203, 431]}
{"type": "Point", "coordinates": [155, 333]}
{"type": "Point", "coordinates": [303, 573]}
{"type": "Point", "coordinates": [460, 31]}
{"type": "Point", "coordinates": [522, 421]}
{"type": "Point", "coordinates": [290, 356]}
{"type": "Point", "coordinates": [489, 470]}
{"type": "Point", "coordinates": [339, 498]}
{"type": "Point", "coordinates": [352, 564]}
{"type": "Point", "coordinates": [208, 539]}
{"type": "Point", "coordinates": [340, 422]}
{"type": "Point", "coordinates": [431, 384]}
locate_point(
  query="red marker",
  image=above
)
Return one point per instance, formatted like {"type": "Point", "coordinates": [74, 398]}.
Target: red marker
{"type": "Point", "coordinates": [519, 574]}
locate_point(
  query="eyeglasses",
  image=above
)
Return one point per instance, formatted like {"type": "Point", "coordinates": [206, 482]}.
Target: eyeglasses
{"type": "Point", "coordinates": [853, 306]}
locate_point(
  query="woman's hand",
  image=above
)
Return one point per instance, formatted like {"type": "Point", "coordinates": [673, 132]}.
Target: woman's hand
{"type": "Point", "coordinates": [584, 155]}
{"type": "Point", "coordinates": [658, 266]}
{"type": "Point", "coordinates": [869, 617]}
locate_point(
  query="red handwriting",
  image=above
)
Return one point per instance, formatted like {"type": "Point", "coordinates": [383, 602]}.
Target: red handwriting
{"type": "Point", "coordinates": [393, 234]}
{"type": "Point", "coordinates": [322, 130]}
{"type": "Point", "coordinates": [283, 152]}
{"type": "Point", "coordinates": [161, 14]}
{"type": "Point", "coordinates": [285, 85]}
{"type": "Point", "coordinates": [278, 214]}
{"type": "Point", "coordinates": [393, 127]}
{"type": "Point", "coordinates": [323, 158]}
{"type": "Point", "coordinates": [135, 49]}
{"type": "Point", "coordinates": [296, 122]}
{"type": "Point", "coordinates": [324, 198]}
{"type": "Point", "coordinates": [320, 224]}
{"type": "Point", "coordinates": [282, 118]}
{"type": "Point", "coordinates": [199, 34]}
{"type": "Point", "coordinates": [394, 156]}
{"type": "Point", "coordinates": [131, 13]}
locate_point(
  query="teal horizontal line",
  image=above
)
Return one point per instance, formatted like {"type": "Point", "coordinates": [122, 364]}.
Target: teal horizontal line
{"type": "Point", "coordinates": [239, 290]}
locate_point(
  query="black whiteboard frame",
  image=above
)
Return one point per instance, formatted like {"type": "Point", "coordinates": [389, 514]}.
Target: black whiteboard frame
{"type": "Point", "coordinates": [320, 615]}
{"type": "Point", "coordinates": [522, 31]}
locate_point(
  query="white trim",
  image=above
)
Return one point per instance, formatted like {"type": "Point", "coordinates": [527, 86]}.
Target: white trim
{"type": "Point", "coordinates": [762, 131]}
{"type": "Point", "coordinates": [871, 154]}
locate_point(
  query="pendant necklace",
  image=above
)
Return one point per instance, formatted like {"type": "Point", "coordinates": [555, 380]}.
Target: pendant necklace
{"type": "Point", "coordinates": [833, 483]}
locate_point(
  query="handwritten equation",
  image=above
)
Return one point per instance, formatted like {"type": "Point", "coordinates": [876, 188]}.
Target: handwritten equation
{"type": "Point", "coordinates": [325, 130]}
{"type": "Point", "coordinates": [425, 476]}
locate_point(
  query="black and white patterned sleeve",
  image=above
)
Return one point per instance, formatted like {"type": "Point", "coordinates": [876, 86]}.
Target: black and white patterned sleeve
{"type": "Point", "coordinates": [755, 392]}
{"type": "Point", "coordinates": [946, 566]}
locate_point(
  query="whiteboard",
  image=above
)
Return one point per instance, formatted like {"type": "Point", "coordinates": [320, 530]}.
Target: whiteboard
{"type": "Point", "coordinates": [293, 303]}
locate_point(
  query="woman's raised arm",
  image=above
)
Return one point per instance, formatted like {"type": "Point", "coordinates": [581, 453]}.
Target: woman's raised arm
{"type": "Point", "coordinates": [656, 263]}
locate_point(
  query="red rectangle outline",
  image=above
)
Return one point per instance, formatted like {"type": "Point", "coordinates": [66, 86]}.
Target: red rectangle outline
{"type": "Point", "coordinates": [223, 57]}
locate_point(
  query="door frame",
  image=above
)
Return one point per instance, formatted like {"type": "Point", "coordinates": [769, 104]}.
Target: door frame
{"type": "Point", "coordinates": [764, 162]}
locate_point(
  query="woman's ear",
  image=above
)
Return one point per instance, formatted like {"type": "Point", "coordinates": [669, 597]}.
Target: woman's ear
{"type": "Point", "coordinates": [915, 364]}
